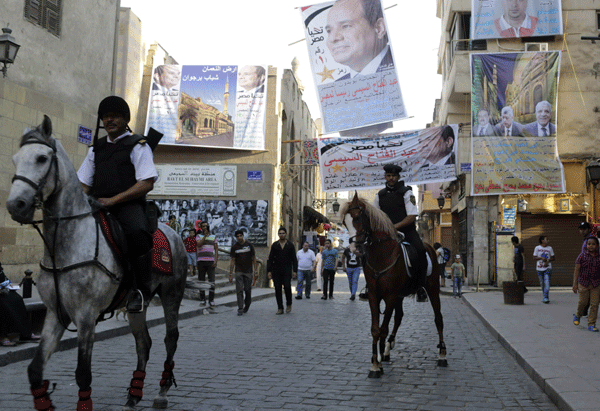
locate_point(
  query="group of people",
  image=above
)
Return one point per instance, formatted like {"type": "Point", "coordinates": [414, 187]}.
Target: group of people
{"type": "Point", "coordinates": [542, 127]}
{"type": "Point", "coordinates": [543, 254]}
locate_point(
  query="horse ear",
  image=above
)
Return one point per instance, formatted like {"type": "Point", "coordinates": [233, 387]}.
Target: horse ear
{"type": "Point", "coordinates": [355, 196]}
{"type": "Point", "coordinates": [47, 126]}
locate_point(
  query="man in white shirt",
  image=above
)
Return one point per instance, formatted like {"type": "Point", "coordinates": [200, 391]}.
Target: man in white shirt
{"type": "Point", "coordinates": [307, 263]}
{"type": "Point", "coordinates": [515, 22]}
{"type": "Point", "coordinates": [357, 37]}
{"type": "Point", "coordinates": [119, 171]}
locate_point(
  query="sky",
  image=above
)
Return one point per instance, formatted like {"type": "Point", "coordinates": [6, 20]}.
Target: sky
{"type": "Point", "coordinates": [240, 32]}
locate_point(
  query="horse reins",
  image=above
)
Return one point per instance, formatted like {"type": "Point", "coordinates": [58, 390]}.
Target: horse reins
{"type": "Point", "coordinates": [39, 203]}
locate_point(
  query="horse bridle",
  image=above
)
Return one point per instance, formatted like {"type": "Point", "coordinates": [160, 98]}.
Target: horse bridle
{"type": "Point", "coordinates": [39, 203]}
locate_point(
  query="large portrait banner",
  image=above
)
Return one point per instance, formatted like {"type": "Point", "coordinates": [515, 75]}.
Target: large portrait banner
{"type": "Point", "coordinates": [352, 63]}
{"type": "Point", "coordinates": [494, 19]}
{"type": "Point", "coordinates": [209, 106]}
{"type": "Point", "coordinates": [513, 117]}
{"type": "Point", "coordinates": [426, 156]}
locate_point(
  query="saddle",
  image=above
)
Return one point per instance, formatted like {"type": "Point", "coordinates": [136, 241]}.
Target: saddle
{"type": "Point", "coordinates": [411, 259]}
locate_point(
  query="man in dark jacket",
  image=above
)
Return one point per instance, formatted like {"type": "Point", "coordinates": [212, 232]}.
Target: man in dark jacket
{"type": "Point", "coordinates": [398, 202]}
{"type": "Point", "coordinates": [282, 265]}
{"type": "Point", "coordinates": [119, 171]}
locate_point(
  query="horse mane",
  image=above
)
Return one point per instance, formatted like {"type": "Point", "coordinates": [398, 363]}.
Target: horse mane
{"type": "Point", "coordinates": [378, 220]}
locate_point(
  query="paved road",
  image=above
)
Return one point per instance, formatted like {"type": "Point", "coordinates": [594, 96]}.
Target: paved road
{"type": "Point", "coordinates": [316, 358]}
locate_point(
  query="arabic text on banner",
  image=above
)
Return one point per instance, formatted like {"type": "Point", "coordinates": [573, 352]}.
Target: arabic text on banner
{"type": "Point", "coordinates": [209, 106]}
{"type": "Point", "coordinates": [513, 146]}
{"type": "Point", "coordinates": [356, 79]}
{"type": "Point", "coordinates": [494, 19]}
{"type": "Point", "coordinates": [426, 156]}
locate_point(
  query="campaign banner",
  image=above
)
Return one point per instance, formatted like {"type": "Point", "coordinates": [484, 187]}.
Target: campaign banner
{"type": "Point", "coordinates": [209, 106]}
{"type": "Point", "coordinates": [426, 156]}
{"type": "Point", "coordinates": [353, 64]}
{"type": "Point", "coordinates": [494, 19]}
{"type": "Point", "coordinates": [224, 218]}
{"type": "Point", "coordinates": [513, 117]}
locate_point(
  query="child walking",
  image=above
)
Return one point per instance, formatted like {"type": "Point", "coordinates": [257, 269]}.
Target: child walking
{"type": "Point", "coordinates": [586, 281]}
{"type": "Point", "coordinates": [458, 276]}
{"type": "Point", "coordinates": [544, 255]}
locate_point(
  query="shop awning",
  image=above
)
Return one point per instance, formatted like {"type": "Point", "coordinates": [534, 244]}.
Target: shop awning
{"type": "Point", "coordinates": [312, 218]}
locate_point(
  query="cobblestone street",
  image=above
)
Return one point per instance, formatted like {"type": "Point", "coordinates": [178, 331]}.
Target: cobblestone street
{"type": "Point", "coordinates": [315, 358]}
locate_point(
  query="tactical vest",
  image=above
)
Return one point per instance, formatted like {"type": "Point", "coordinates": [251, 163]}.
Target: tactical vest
{"type": "Point", "coordinates": [114, 172]}
{"type": "Point", "coordinates": [392, 203]}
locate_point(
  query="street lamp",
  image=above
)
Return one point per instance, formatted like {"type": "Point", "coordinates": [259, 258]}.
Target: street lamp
{"type": "Point", "coordinates": [593, 172]}
{"type": "Point", "coordinates": [441, 200]}
{"type": "Point", "coordinates": [8, 49]}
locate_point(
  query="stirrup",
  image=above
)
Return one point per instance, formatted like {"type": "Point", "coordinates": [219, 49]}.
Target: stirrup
{"type": "Point", "coordinates": [133, 305]}
{"type": "Point", "coordinates": [421, 295]}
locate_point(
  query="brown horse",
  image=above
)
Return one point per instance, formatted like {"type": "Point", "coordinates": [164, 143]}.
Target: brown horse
{"type": "Point", "coordinates": [387, 278]}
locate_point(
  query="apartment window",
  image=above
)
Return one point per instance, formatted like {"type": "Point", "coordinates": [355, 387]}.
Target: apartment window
{"type": "Point", "coordinates": [44, 13]}
{"type": "Point", "coordinates": [461, 32]}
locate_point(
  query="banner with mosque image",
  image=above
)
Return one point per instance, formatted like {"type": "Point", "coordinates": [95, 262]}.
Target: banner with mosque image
{"type": "Point", "coordinates": [514, 129]}
{"type": "Point", "coordinates": [495, 19]}
{"type": "Point", "coordinates": [353, 65]}
{"type": "Point", "coordinates": [209, 106]}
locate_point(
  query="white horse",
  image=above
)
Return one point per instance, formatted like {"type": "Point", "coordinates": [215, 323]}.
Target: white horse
{"type": "Point", "coordinates": [80, 274]}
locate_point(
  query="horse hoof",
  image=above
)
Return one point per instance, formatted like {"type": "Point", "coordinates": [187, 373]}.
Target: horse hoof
{"type": "Point", "coordinates": [160, 403]}
{"type": "Point", "coordinates": [442, 363]}
{"type": "Point", "coordinates": [375, 374]}
{"type": "Point", "coordinates": [386, 358]}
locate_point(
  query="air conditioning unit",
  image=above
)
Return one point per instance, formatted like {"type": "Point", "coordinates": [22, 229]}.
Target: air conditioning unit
{"type": "Point", "coordinates": [536, 46]}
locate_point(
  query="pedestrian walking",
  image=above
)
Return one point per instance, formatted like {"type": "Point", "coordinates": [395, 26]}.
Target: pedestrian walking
{"type": "Point", "coordinates": [307, 264]}
{"type": "Point", "coordinates": [190, 247]}
{"type": "Point", "coordinates": [585, 229]}
{"type": "Point", "coordinates": [207, 256]}
{"type": "Point", "coordinates": [544, 255]}
{"type": "Point", "coordinates": [243, 260]}
{"type": "Point", "coordinates": [518, 260]}
{"type": "Point", "coordinates": [330, 262]}
{"type": "Point", "coordinates": [439, 252]}
{"type": "Point", "coordinates": [282, 265]}
{"type": "Point", "coordinates": [319, 267]}
{"type": "Point", "coordinates": [458, 276]}
{"type": "Point", "coordinates": [586, 282]}
{"type": "Point", "coordinates": [351, 264]}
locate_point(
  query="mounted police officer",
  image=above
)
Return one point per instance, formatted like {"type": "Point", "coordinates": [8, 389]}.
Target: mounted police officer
{"type": "Point", "coordinates": [119, 171]}
{"type": "Point", "coordinates": [398, 202]}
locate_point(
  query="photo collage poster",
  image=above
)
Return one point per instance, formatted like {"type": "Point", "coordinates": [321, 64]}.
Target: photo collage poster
{"type": "Point", "coordinates": [223, 216]}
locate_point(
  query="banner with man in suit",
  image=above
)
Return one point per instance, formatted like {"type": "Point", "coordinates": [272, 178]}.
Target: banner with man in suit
{"type": "Point", "coordinates": [353, 65]}
{"type": "Point", "coordinates": [513, 117]}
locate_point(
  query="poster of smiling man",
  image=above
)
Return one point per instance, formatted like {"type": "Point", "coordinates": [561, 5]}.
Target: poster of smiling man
{"type": "Point", "coordinates": [352, 63]}
{"type": "Point", "coordinates": [493, 19]}
{"type": "Point", "coordinates": [212, 106]}
{"type": "Point", "coordinates": [513, 117]}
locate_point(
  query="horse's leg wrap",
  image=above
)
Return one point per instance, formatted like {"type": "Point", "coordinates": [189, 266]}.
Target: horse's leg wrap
{"type": "Point", "coordinates": [85, 401]}
{"type": "Point", "coordinates": [137, 385]}
{"type": "Point", "coordinates": [41, 398]}
{"type": "Point", "coordinates": [167, 375]}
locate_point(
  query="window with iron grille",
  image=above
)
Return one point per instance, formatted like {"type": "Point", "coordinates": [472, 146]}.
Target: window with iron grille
{"type": "Point", "coordinates": [44, 13]}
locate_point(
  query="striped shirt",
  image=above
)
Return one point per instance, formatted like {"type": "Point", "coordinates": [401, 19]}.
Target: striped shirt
{"type": "Point", "coordinates": [207, 251]}
{"type": "Point", "coordinates": [589, 269]}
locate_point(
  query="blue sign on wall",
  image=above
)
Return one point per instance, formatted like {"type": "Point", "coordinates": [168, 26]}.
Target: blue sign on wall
{"type": "Point", "coordinates": [254, 176]}
{"type": "Point", "coordinates": [84, 135]}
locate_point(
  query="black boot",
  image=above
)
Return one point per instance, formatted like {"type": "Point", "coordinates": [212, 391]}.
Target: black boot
{"type": "Point", "coordinates": [142, 272]}
{"type": "Point", "coordinates": [421, 282]}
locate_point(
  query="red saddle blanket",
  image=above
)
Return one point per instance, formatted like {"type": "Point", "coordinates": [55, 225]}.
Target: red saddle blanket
{"type": "Point", "coordinates": [162, 258]}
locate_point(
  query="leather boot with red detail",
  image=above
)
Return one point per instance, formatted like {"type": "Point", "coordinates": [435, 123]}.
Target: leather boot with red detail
{"type": "Point", "coordinates": [136, 388]}
{"type": "Point", "coordinates": [41, 398]}
{"type": "Point", "coordinates": [85, 401]}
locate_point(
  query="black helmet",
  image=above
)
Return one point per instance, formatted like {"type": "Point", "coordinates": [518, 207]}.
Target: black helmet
{"type": "Point", "coordinates": [114, 104]}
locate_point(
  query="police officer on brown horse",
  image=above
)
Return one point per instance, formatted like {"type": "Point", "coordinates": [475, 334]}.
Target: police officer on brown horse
{"type": "Point", "coordinates": [398, 202]}
{"type": "Point", "coordinates": [119, 171]}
